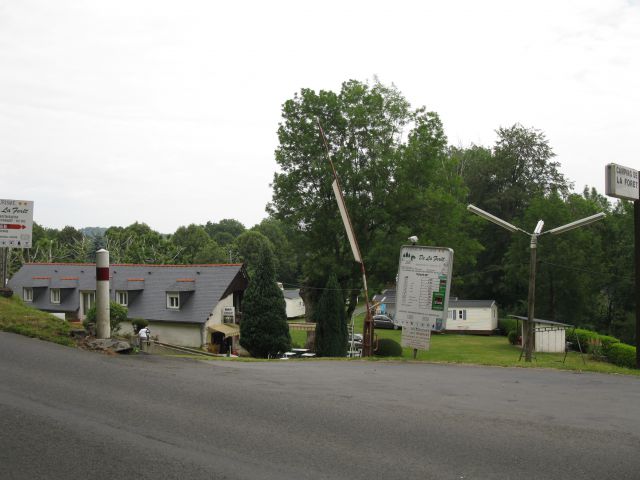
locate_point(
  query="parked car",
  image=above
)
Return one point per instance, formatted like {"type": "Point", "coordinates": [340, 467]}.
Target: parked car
{"type": "Point", "coordinates": [384, 321]}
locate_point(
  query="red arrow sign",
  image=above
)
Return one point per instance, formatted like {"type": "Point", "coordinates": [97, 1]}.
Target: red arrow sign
{"type": "Point", "coordinates": [12, 226]}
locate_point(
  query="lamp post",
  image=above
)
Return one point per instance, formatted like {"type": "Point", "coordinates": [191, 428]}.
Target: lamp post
{"type": "Point", "coordinates": [528, 333]}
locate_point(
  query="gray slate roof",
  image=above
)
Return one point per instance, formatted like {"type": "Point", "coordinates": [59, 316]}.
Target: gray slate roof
{"type": "Point", "coordinates": [389, 296]}
{"type": "Point", "coordinates": [291, 294]}
{"type": "Point", "coordinates": [200, 287]}
{"type": "Point", "coordinates": [542, 322]}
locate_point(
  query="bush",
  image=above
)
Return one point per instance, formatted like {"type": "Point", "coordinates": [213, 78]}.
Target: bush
{"type": "Point", "coordinates": [138, 324]}
{"type": "Point", "coordinates": [513, 337]}
{"type": "Point", "coordinates": [117, 314]}
{"type": "Point", "coordinates": [588, 340]}
{"type": "Point", "coordinates": [506, 325]}
{"type": "Point", "coordinates": [622, 355]}
{"type": "Point", "coordinates": [388, 348]}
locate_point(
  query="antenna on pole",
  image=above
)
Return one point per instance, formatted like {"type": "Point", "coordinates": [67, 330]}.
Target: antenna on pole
{"type": "Point", "coordinates": [367, 344]}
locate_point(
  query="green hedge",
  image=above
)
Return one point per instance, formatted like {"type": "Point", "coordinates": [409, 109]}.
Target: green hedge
{"type": "Point", "coordinates": [507, 324]}
{"type": "Point", "coordinates": [622, 355]}
{"type": "Point", "coordinates": [589, 341]}
{"type": "Point", "coordinates": [604, 346]}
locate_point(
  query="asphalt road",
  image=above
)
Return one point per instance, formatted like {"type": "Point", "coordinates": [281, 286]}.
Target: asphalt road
{"type": "Point", "coordinates": [71, 414]}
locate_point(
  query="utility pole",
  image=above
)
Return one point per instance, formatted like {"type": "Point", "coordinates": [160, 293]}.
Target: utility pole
{"type": "Point", "coordinates": [529, 336]}
{"type": "Point", "coordinates": [5, 266]}
{"type": "Point", "coordinates": [636, 229]}
{"type": "Point", "coordinates": [528, 341]}
{"type": "Point", "coordinates": [624, 182]}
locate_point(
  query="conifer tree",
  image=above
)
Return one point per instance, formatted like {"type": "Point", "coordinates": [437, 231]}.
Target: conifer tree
{"type": "Point", "coordinates": [331, 325]}
{"type": "Point", "coordinates": [264, 329]}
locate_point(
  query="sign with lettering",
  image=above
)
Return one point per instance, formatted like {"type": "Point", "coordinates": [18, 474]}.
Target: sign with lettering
{"type": "Point", "coordinates": [416, 337]}
{"type": "Point", "coordinates": [621, 182]}
{"type": "Point", "coordinates": [424, 280]}
{"type": "Point", "coordinates": [228, 314]}
{"type": "Point", "coordinates": [16, 223]}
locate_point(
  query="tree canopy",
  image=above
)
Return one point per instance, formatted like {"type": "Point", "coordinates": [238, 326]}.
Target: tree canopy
{"type": "Point", "coordinates": [400, 177]}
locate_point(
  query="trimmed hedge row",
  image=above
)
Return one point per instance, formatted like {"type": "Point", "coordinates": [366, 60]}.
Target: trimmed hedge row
{"type": "Point", "coordinates": [622, 355]}
{"type": "Point", "coordinates": [604, 346]}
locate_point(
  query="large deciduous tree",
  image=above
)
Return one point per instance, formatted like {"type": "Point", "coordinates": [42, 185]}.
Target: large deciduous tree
{"type": "Point", "coordinates": [386, 181]}
{"type": "Point", "coordinates": [504, 181]}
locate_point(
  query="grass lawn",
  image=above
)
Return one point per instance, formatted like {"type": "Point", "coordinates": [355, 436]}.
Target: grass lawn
{"type": "Point", "coordinates": [16, 317]}
{"type": "Point", "coordinates": [492, 350]}
{"type": "Point", "coordinates": [298, 338]}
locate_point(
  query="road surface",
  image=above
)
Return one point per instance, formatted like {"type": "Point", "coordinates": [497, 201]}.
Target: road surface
{"type": "Point", "coordinates": [72, 414]}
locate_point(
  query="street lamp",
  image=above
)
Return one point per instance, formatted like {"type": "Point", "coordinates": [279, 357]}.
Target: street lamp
{"type": "Point", "coordinates": [528, 330]}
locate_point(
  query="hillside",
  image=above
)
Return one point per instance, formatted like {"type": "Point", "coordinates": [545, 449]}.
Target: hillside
{"type": "Point", "coordinates": [16, 317]}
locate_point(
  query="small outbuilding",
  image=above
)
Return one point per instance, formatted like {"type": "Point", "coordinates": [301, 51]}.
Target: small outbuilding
{"type": "Point", "coordinates": [550, 336]}
{"type": "Point", "coordinates": [294, 303]}
{"type": "Point", "coordinates": [478, 317]}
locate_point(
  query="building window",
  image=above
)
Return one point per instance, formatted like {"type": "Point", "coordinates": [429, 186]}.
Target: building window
{"type": "Point", "coordinates": [122, 297]}
{"type": "Point", "coordinates": [27, 294]}
{"type": "Point", "coordinates": [452, 314]}
{"type": "Point", "coordinates": [173, 300]}
{"type": "Point", "coordinates": [462, 314]}
{"type": "Point", "coordinates": [55, 295]}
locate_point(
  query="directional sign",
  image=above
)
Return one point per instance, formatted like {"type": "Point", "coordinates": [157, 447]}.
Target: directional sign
{"type": "Point", "coordinates": [621, 182]}
{"type": "Point", "coordinates": [16, 223]}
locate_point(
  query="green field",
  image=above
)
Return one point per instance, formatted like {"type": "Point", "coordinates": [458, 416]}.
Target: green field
{"type": "Point", "coordinates": [491, 350]}
{"type": "Point", "coordinates": [19, 318]}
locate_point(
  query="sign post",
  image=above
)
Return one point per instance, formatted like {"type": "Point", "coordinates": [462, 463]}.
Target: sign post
{"type": "Point", "coordinates": [367, 331]}
{"type": "Point", "coordinates": [422, 293]}
{"type": "Point", "coordinates": [16, 226]}
{"type": "Point", "coordinates": [623, 182]}
{"type": "Point", "coordinates": [103, 321]}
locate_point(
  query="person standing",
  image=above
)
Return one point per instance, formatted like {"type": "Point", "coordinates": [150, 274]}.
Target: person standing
{"type": "Point", "coordinates": [143, 337]}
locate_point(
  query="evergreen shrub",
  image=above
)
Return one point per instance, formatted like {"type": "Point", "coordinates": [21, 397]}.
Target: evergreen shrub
{"type": "Point", "coordinates": [330, 319]}
{"type": "Point", "coordinates": [264, 331]}
{"type": "Point", "coordinates": [139, 323]}
{"type": "Point", "coordinates": [513, 337]}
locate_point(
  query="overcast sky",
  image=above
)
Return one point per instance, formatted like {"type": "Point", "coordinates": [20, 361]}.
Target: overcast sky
{"type": "Point", "coordinates": [166, 112]}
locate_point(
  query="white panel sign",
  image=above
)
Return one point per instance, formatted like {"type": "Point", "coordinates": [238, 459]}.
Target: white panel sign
{"type": "Point", "coordinates": [16, 223]}
{"type": "Point", "coordinates": [347, 222]}
{"type": "Point", "coordinates": [228, 314]}
{"type": "Point", "coordinates": [416, 337]}
{"type": "Point", "coordinates": [424, 280]}
{"type": "Point", "coordinates": [621, 182]}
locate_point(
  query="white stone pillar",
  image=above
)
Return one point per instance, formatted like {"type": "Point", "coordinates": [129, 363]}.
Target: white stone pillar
{"type": "Point", "coordinates": [103, 324]}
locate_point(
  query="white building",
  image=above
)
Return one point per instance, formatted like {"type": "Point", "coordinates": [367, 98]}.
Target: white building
{"type": "Point", "coordinates": [294, 303]}
{"type": "Point", "coordinates": [472, 316]}
{"type": "Point", "coordinates": [549, 336]}
{"type": "Point", "coordinates": [464, 316]}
